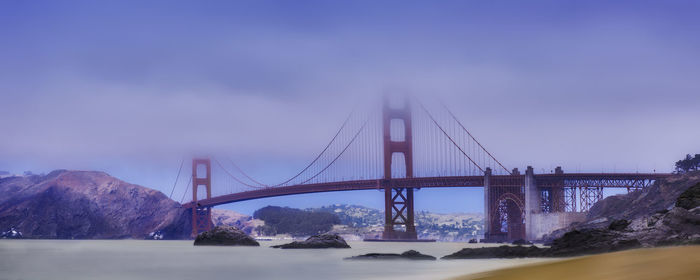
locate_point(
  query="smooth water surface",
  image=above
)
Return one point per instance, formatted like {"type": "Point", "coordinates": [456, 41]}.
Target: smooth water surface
{"type": "Point", "coordinates": [153, 260]}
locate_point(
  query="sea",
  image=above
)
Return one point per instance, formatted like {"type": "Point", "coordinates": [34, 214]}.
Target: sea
{"type": "Point", "coordinates": [160, 259]}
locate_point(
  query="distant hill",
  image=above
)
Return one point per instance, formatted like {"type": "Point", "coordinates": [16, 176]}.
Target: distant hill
{"type": "Point", "coordinates": [231, 218]}
{"type": "Point", "coordinates": [449, 227]}
{"type": "Point", "coordinates": [87, 204]}
{"type": "Point", "coordinates": [296, 222]}
{"type": "Point", "coordinates": [369, 222]}
{"type": "Point", "coordinates": [353, 215]}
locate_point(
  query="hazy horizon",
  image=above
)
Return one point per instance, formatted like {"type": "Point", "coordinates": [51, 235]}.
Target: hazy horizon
{"type": "Point", "coordinates": [130, 88]}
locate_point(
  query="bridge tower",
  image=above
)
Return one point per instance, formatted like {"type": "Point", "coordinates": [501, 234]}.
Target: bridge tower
{"type": "Point", "coordinates": [398, 201]}
{"type": "Point", "coordinates": [201, 216]}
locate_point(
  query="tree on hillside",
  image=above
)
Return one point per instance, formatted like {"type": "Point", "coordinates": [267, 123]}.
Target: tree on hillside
{"type": "Point", "coordinates": [688, 164]}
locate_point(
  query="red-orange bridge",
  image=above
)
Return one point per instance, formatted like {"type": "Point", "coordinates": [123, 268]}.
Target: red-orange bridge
{"type": "Point", "coordinates": [413, 149]}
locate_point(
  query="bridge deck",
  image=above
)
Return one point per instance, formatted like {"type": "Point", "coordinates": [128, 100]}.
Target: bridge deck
{"type": "Point", "coordinates": [608, 180]}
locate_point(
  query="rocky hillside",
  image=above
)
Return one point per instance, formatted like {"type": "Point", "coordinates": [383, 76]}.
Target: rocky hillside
{"type": "Point", "coordinates": [87, 204]}
{"type": "Point", "coordinates": [665, 213]}
{"type": "Point", "coordinates": [223, 217]}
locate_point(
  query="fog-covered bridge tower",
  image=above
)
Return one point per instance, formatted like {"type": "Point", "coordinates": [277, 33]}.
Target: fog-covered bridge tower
{"type": "Point", "coordinates": [398, 200]}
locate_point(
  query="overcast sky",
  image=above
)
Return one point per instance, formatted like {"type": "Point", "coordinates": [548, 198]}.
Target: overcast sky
{"type": "Point", "coordinates": [130, 87]}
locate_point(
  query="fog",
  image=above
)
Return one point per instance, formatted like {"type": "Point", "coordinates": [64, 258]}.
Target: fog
{"type": "Point", "coordinates": [131, 88]}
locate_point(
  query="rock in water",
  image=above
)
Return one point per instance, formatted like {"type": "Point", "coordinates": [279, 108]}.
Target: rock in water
{"type": "Point", "coordinates": [326, 240]}
{"type": "Point", "coordinates": [226, 236]}
{"type": "Point", "coordinates": [408, 255]}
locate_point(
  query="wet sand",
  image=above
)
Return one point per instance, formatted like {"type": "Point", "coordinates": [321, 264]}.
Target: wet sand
{"type": "Point", "coordinates": [642, 264]}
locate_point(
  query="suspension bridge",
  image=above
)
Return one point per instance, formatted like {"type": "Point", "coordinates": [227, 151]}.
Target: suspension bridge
{"type": "Point", "coordinates": [404, 147]}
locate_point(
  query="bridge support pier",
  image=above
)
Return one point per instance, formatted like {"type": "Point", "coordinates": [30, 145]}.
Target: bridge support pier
{"type": "Point", "coordinates": [503, 206]}
{"type": "Point", "coordinates": [488, 227]}
{"type": "Point", "coordinates": [533, 202]}
{"type": "Point", "coordinates": [398, 209]}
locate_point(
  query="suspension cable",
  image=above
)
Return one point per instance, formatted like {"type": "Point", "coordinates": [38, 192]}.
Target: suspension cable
{"type": "Point", "coordinates": [448, 136]}
{"type": "Point", "coordinates": [340, 154]}
{"type": "Point", "coordinates": [189, 182]}
{"type": "Point", "coordinates": [176, 178]}
{"type": "Point", "coordinates": [321, 153]}
{"type": "Point", "coordinates": [470, 135]}
{"type": "Point", "coordinates": [245, 174]}
{"type": "Point", "coordinates": [234, 177]}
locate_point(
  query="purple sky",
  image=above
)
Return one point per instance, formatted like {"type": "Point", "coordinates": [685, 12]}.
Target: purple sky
{"type": "Point", "coordinates": [129, 88]}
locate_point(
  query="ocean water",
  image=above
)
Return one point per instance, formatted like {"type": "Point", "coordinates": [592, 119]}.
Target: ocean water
{"type": "Point", "coordinates": [154, 260]}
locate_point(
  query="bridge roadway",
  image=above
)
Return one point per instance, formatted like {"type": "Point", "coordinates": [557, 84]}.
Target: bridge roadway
{"type": "Point", "coordinates": [606, 180]}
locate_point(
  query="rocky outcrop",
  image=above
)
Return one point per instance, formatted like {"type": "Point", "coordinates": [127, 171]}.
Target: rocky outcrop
{"type": "Point", "coordinates": [589, 241]}
{"type": "Point", "coordinates": [619, 225]}
{"type": "Point", "coordinates": [675, 227]}
{"type": "Point", "coordinates": [408, 255]}
{"type": "Point", "coordinates": [501, 252]}
{"type": "Point", "coordinates": [87, 204]}
{"type": "Point", "coordinates": [225, 236]}
{"type": "Point", "coordinates": [640, 219]}
{"type": "Point", "coordinates": [326, 240]}
{"type": "Point", "coordinates": [664, 213]}
{"type": "Point", "coordinates": [690, 198]}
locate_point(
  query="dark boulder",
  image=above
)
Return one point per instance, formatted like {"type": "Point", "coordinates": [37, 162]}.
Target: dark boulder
{"type": "Point", "coordinates": [573, 243]}
{"type": "Point", "coordinates": [472, 241]}
{"type": "Point", "coordinates": [619, 225]}
{"type": "Point", "coordinates": [408, 255]}
{"type": "Point", "coordinates": [326, 240]}
{"type": "Point", "coordinates": [501, 252]}
{"type": "Point", "coordinates": [591, 241]}
{"type": "Point", "coordinates": [225, 235]}
{"type": "Point", "coordinates": [690, 198]}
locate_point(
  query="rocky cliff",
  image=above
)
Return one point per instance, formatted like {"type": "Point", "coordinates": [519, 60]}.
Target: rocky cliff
{"type": "Point", "coordinates": [87, 204]}
{"type": "Point", "coordinates": [653, 216]}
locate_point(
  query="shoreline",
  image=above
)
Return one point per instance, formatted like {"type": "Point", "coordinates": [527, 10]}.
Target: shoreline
{"type": "Point", "coordinates": [673, 262]}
